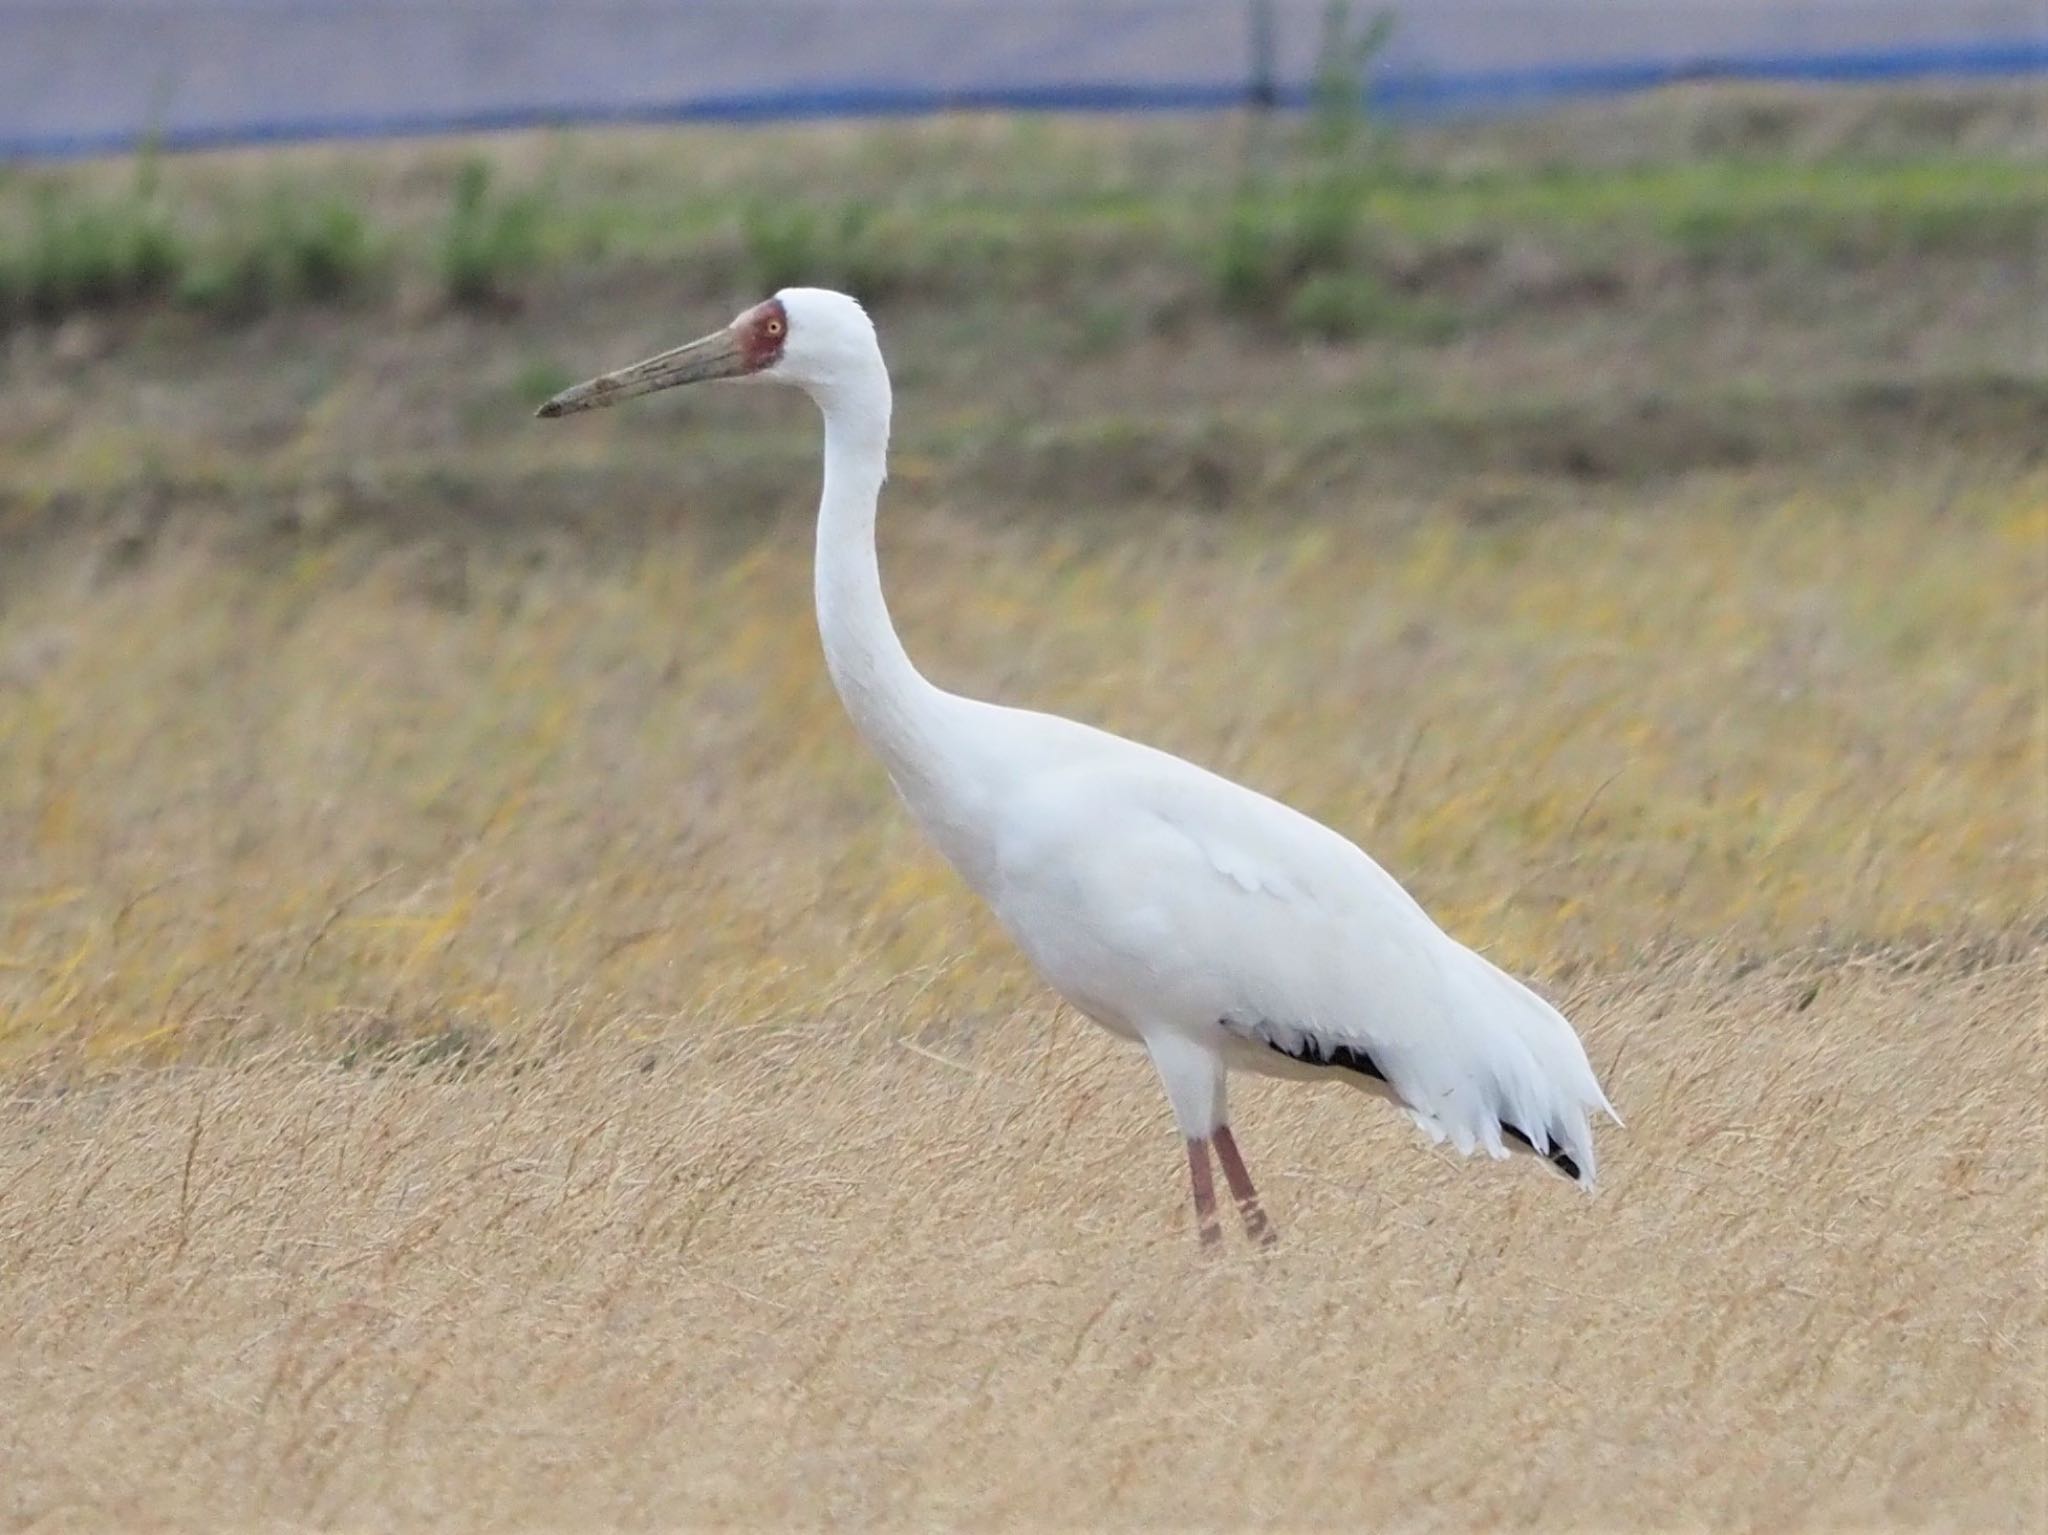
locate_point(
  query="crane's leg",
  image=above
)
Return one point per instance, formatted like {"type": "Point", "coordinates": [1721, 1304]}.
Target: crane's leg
{"type": "Point", "coordinates": [1205, 1191]}
{"type": "Point", "coordinates": [1194, 1079]}
{"type": "Point", "coordinates": [1256, 1226]}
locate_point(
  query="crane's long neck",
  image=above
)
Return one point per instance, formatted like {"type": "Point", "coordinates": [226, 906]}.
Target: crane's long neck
{"type": "Point", "coordinates": [891, 703]}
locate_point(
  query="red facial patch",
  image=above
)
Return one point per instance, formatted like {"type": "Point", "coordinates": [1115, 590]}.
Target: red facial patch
{"type": "Point", "coordinates": [763, 331]}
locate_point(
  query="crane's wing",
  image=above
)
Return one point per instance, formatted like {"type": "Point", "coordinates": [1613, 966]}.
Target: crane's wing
{"type": "Point", "coordinates": [1147, 885]}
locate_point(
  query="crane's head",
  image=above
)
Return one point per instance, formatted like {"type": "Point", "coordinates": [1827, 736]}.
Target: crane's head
{"type": "Point", "coordinates": [811, 337]}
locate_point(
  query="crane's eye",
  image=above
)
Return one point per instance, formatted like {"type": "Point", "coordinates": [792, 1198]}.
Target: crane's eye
{"type": "Point", "coordinates": [773, 327]}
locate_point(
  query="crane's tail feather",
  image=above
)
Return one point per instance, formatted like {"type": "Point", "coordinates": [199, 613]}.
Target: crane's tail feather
{"type": "Point", "coordinates": [1543, 1086]}
{"type": "Point", "coordinates": [1570, 1151]}
{"type": "Point", "coordinates": [1559, 1158]}
{"type": "Point", "coordinates": [1524, 1084]}
{"type": "Point", "coordinates": [1507, 1073]}
{"type": "Point", "coordinates": [1506, 1067]}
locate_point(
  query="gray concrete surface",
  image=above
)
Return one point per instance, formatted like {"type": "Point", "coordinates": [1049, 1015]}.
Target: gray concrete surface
{"type": "Point", "coordinates": [76, 75]}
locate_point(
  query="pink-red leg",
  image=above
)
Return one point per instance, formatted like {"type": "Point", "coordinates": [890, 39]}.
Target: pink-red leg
{"type": "Point", "coordinates": [1205, 1191]}
{"type": "Point", "coordinates": [1256, 1226]}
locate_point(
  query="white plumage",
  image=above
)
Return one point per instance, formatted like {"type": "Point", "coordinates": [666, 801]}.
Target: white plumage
{"type": "Point", "coordinates": [1218, 928]}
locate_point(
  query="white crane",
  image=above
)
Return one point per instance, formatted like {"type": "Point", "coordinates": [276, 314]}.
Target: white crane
{"type": "Point", "coordinates": [1208, 923]}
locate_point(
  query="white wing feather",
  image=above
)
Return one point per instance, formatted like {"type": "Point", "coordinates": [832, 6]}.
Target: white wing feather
{"type": "Point", "coordinates": [1157, 895]}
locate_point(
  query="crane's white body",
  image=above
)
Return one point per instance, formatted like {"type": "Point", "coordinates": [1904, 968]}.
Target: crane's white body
{"type": "Point", "coordinates": [1221, 929]}
{"type": "Point", "coordinates": [1170, 905]}
{"type": "Point", "coordinates": [1215, 926]}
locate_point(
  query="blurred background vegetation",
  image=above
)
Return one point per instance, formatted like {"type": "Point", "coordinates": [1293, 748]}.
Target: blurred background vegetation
{"type": "Point", "coordinates": [1330, 227]}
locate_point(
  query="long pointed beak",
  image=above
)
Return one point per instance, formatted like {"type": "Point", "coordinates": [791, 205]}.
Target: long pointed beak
{"type": "Point", "coordinates": [718, 355]}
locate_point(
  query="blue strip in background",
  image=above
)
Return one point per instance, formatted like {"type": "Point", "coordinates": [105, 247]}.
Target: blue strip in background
{"type": "Point", "coordinates": [1414, 96]}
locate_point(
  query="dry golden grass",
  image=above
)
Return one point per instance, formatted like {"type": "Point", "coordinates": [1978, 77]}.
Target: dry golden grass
{"type": "Point", "coordinates": [596, 1109]}
{"type": "Point", "coordinates": [396, 794]}
{"type": "Point", "coordinates": [807, 1271]}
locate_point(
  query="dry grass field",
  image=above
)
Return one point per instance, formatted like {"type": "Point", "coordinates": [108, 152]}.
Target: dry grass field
{"type": "Point", "coordinates": [805, 1269]}
{"type": "Point", "coordinates": [480, 1048]}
